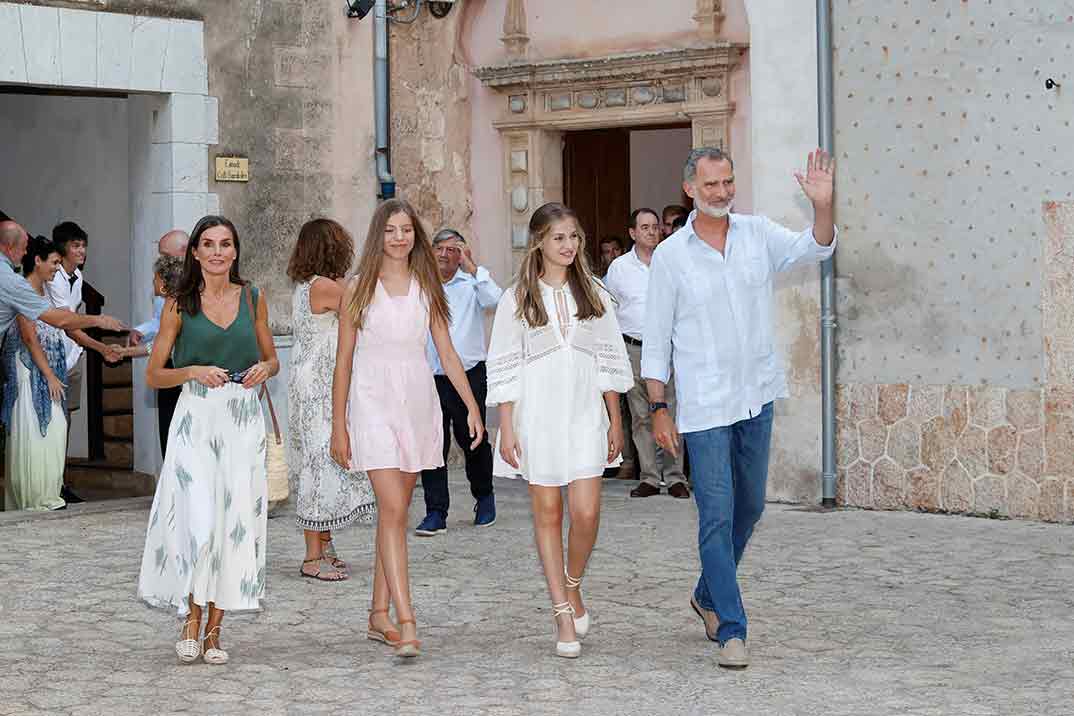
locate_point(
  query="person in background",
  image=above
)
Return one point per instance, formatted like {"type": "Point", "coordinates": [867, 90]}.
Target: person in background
{"type": "Point", "coordinates": [628, 280]}
{"type": "Point", "coordinates": [470, 291]}
{"type": "Point", "coordinates": [173, 243]}
{"type": "Point", "coordinates": [668, 216]}
{"type": "Point", "coordinates": [65, 291]}
{"type": "Point", "coordinates": [167, 272]}
{"type": "Point", "coordinates": [611, 248]}
{"type": "Point", "coordinates": [34, 361]}
{"type": "Point", "coordinates": [327, 497]}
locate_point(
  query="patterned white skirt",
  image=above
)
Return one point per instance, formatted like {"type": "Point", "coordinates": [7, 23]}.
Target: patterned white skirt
{"type": "Point", "coordinates": [207, 528]}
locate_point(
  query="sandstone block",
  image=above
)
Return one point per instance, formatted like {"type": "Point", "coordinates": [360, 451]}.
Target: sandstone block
{"type": "Point", "coordinates": [873, 434]}
{"type": "Point", "coordinates": [926, 402]}
{"type": "Point", "coordinates": [1024, 409]}
{"type": "Point", "coordinates": [891, 402]}
{"type": "Point", "coordinates": [1001, 447]}
{"type": "Point", "coordinates": [1023, 497]}
{"type": "Point", "coordinates": [858, 482]}
{"type": "Point", "coordinates": [924, 487]}
{"type": "Point", "coordinates": [990, 495]}
{"type": "Point", "coordinates": [889, 485]}
{"type": "Point", "coordinates": [904, 444]}
{"type": "Point", "coordinates": [956, 489]}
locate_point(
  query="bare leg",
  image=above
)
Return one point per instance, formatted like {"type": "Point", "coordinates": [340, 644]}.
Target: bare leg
{"type": "Point", "coordinates": [393, 489]}
{"type": "Point", "coordinates": [192, 626]}
{"type": "Point", "coordinates": [583, 503]}
{"type": "Point", "coordinates": [547, 504]}
{"type": "Point", "coordinates": [379, 616]}
{"type": "Point", "coordinates": [212, 627]}
{"type": "Point", "coordinates": [313, 564]}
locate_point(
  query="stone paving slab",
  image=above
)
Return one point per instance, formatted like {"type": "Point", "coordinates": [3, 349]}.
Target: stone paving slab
{"type": "Point", "coordinates": [852, 613]}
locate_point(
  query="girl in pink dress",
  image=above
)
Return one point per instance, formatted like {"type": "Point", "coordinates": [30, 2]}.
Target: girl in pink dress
{"type": "Point", "coordinates": [386, 417]}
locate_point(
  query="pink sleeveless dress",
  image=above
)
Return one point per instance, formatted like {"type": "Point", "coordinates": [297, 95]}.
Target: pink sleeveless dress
{"type": "Point", "coordinates": [393, 410]}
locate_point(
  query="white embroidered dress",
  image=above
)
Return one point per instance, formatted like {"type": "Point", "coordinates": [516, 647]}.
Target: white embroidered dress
{"type": "Point", "coordinates": [556, 376]}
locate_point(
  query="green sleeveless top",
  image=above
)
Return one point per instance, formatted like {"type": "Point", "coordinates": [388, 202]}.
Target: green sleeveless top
{"type": "Point", "coordinates": [202, 342]}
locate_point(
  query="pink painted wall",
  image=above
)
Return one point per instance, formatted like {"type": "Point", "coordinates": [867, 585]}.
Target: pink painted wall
{"type": "Point", "coordinates": [583, 29]}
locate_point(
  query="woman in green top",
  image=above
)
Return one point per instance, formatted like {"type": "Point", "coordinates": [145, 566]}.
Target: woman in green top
{"type": "Point", "coordinates": [205, 545]}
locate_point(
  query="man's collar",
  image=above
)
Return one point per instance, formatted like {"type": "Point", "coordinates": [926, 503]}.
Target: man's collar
{"type": "Point", "coordinates": [12, 264]}
{"type": "Point", "coordinates": [732, 218]}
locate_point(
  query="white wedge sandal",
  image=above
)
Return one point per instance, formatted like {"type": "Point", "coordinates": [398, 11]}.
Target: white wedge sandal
{"type": "Point", "coordinates": [188, 650]}
{"type": "Point", "coordinates": [216, 657]}
{"type": "Point", "coordinates": [582, 623]}
{"type": "Point", "coordinates": [566, 649]}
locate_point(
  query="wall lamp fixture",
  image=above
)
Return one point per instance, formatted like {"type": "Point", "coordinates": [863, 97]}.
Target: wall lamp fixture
{"type": "Point", "coordinates": [437, 8]}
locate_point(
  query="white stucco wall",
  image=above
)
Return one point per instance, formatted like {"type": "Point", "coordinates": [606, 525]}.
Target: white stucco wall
{"type": "Point", "coordinates": [783, 88]}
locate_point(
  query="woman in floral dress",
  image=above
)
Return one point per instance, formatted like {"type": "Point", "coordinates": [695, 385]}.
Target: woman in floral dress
{"type": "Point", "coordinates": [327, 497]}
{"type": "Point", "coordinates": [205, 545]}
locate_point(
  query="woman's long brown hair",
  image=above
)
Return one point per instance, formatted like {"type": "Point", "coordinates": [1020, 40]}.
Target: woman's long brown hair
{"type": "Point", "coordinates": [579, 276]}
{"type": "Point", "coordinates": [422, 263]}
{"type": "Point", "coordinates": [188, 292]}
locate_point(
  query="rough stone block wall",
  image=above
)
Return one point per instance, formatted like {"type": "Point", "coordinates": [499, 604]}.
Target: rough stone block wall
{"type": "Point", "coordinates": [431, 117]}
{"type": "Point", "coordinates": [980, 449]}
{"type": "Point", "coordinates": [293, 81]}
{"type": "Point", "coordinates": [955, 338]}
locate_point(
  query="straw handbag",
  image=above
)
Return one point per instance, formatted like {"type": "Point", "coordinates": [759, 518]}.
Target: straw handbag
{"type": "Point", "coordinates": [275, 450]}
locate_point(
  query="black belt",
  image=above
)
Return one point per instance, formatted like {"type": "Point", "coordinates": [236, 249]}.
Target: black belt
{"type": "Point", "coordinates": [631, 341]}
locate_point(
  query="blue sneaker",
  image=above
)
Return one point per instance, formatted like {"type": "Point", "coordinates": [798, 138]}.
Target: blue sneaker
{"type": "Point", "coordinates": [485, 512]}
{"type": "Point", "coordinates": [434, 523]}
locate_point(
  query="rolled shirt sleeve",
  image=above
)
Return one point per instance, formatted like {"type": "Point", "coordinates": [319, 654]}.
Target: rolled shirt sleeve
{"type": "Point", "coordinates": [488, 293]}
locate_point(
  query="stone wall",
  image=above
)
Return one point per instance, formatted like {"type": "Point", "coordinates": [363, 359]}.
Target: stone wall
{"type": "Point", "coordinates": [293, 81]}
{"type": "Point", "coordinates": [981, 449]}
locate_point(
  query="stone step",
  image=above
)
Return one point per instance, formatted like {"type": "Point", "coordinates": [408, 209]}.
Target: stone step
{"type": "Point", "coordinates": [119, 454]}
{"type": "Point", "coordinates": [119, 375]}
{"type": "Point", "coordinates": [97, 483]}
{"type": "Point", "coordinates": [119, 427]}
{"type": "Point", "coordinates": [117, 400]}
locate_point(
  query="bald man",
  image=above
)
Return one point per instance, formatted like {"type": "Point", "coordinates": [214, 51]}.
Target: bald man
{"type": "Point", "coordinates": [173, 243]}
{"type": "Point", "coordinates": [17, 297]}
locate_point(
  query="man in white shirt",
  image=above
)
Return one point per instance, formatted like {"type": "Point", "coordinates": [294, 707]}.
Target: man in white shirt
{"type": "Point", "coordinates": [65, 292]}
{"type": "Point", "coordinates": [710, 312]}
{"type": "Point", "coordinates": [628, 280]}
{"type": "Point", "coordinates": [470, 292]}
{"type": "Point", "coordinates": [173, 243]}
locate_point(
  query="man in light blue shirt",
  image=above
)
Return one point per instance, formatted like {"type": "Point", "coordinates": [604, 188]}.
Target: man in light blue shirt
{"type": "Point", "coordinates": [709, 311]}
{"type": "Point", "coordinates": [470, 292]}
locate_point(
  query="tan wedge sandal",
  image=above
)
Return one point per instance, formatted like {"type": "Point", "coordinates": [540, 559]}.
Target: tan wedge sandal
{"type": "Point", "coordinates": [391, 637]}
{"type": "Point", "coordinates": [409, 648]}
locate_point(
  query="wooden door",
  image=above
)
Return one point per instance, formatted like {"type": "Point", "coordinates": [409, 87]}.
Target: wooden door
{"type": "Point", "coordinates": [596, 176]}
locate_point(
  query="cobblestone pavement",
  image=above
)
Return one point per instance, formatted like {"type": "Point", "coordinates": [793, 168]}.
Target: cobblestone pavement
{"type": "Point", "coordinates": [852, 613]}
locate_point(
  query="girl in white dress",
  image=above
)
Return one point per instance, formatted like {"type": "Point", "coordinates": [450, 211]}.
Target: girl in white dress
{"type": "Point", "coordinates": [557, 363]}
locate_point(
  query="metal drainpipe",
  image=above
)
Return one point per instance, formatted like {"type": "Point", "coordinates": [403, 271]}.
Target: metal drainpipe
{"type": "Point", "coordinates": [381, 95]}
{"type": "Point", "coordinates": [825, 106]}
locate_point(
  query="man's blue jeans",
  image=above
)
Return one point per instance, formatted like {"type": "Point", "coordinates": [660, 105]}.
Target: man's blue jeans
{"type": "Point", "coordinates": [729, 470]}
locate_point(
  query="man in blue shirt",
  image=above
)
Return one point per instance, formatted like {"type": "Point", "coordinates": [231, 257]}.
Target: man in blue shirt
{"type": "Point", "coordinates": [709, 311]}
{"type": "Point", "coordinates": [470, 292]}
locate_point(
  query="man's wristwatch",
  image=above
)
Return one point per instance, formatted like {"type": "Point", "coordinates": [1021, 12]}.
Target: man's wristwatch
{"type": "Point", "coordinates": [653, 407]}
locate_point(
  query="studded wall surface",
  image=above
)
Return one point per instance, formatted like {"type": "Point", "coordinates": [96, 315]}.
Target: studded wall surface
{"type": "Point", "coordinates": [948, 140]}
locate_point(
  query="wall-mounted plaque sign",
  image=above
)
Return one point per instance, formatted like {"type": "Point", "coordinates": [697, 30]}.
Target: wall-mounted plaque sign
{"type": "Point", "coordinates": [232, 169]}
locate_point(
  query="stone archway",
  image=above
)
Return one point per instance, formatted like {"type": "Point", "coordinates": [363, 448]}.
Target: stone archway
{"type": "Point", "coordinates": [160, 65]}
{"type": "Point", "coordinates": [543, 99]}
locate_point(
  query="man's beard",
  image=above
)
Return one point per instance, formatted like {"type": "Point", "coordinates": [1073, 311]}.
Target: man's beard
{"type": "Point", "coordinates": [711, 210]}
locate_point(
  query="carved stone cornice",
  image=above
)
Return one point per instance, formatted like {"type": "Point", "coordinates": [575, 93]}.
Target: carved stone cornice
{"type": "Point", "coordinates": [637, 88]}
{"type": "Point", "coordinates": [627, 67]}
